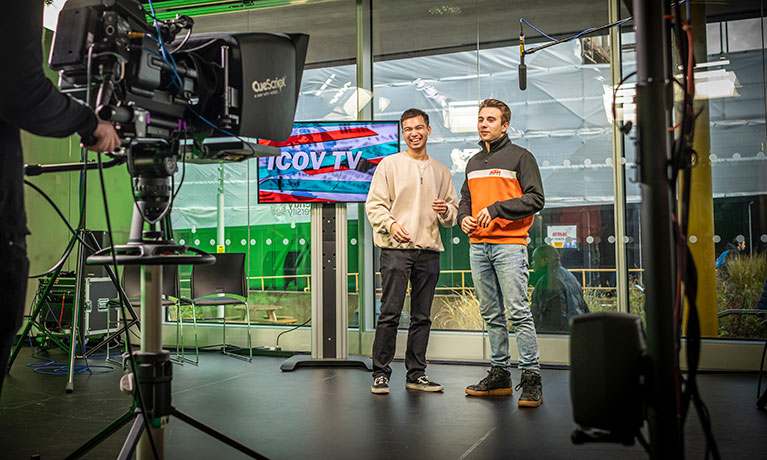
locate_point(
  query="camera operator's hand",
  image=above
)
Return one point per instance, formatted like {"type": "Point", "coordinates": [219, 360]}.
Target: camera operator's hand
{"type": "Point", "coordinates": [106, 138]}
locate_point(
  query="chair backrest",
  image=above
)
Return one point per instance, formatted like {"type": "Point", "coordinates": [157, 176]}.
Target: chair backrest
{"type": "Point", "coordinates": [132, 281]}
{"type": "Point", "coordinates": [226, 276]}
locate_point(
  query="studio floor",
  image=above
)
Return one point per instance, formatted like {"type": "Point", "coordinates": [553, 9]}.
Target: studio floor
{"type": "Point", "coordinates": [329, 413]}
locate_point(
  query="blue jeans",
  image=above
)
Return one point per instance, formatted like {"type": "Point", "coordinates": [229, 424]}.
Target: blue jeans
{"type": "Point", "coordinates": [500, 280]}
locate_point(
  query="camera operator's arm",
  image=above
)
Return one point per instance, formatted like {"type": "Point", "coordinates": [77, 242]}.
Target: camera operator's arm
{"type": "Point", "coordinates": [105, 136]}
{"type": "Point", "coordinates": [28, 99]}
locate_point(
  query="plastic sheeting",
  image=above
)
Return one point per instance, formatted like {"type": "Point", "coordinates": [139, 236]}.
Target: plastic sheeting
{"type": "Point", "coordinates": [561, 118]}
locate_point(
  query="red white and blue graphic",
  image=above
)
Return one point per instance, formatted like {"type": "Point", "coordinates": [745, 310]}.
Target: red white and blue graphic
{"type": "Point", "coordinates": [326, 162]}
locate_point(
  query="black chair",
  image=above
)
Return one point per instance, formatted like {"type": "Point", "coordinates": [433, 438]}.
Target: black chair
{"type": "Point", "coordinates": [171, 296]}
{"type": "Point", "coordinates": [223, 284]}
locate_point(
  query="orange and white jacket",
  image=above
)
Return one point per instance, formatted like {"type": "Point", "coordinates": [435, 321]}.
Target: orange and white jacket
{"type": "Point", "coordinates": [507, 182]}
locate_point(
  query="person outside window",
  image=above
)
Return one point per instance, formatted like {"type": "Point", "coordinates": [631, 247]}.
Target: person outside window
{"type": "Point", "coordinates": [558, 296]}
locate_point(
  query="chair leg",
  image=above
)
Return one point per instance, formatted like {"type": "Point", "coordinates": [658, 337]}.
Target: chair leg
{"type": "Point", "coordinates": [196, 345]}
{"type": "Point", "coordinates": [223, 348]}
{"type": "Point", "coordinates": [248, 358]}
{"type": "Point", "coordinates": [177, 358]}
{"type": "Point", "coordinates": [179, 335]}
{"type": "Point", "coordinates": [250, 344]}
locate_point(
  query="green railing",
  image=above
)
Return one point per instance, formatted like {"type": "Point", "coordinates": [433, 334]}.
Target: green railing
{"type": "Point", "coordinates": [464, 285]}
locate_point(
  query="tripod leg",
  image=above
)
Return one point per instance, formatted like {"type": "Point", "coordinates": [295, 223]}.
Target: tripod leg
{"type": "Point", "coordinates": [78, 305]}
{"type": "Point", "coordinates": [36, 312]}
{"type": "Point", "coordinates": [125, 300]}
{"type": "Point", "coordinates": [112, 336]}
{"type": "Point", "coordinates": [219, 436]}
{"type": "Point", "coordinates": [103, 434]}
{"type": "Point", "coordinates": [129, 446]}
{"type": "Point", "coordinates": [24, 334]}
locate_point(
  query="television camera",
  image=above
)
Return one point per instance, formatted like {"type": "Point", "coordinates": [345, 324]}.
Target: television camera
{"type": "Point", "coordinates": [167, 97]}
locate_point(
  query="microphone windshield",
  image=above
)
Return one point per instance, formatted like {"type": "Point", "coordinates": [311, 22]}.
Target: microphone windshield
{"type": "Point", "coordinates": [522, 76]}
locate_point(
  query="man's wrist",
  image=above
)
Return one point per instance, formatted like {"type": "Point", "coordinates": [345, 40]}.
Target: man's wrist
{"type": "Point", "coordinates": [89, 126]}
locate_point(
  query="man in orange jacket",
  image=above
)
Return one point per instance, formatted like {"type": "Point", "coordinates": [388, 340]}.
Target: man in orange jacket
{"type": "Point", "coordinates": [499, 197]}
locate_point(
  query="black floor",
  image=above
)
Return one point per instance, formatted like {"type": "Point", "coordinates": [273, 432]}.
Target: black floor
{"type": "Point", "coordinates": [331, 414]}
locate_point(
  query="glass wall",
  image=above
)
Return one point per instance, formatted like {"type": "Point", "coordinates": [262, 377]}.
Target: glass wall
{"type": "Point", "coordinates": [731, 187]}
{"type": "Point", "coordinates": [735, 87]}
{"type": "Point", "coordinates": [275, 238]}
{"type": "Point", "coordinates": [466, 53]}
{"type": "Point", "coordinates": [444, 59]}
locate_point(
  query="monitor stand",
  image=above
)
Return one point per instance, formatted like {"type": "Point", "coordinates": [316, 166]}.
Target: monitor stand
{"type": "Point", "coordinates": [330, 289]}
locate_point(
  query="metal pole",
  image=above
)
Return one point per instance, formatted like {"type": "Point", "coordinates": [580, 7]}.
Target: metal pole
{"type": "Point", "coordinates": [151, 342]}
{"type": "Point", "coordinates": [750, 232]}
{"type": "Point", "coordinates": [619, 171]}
{"type": "Point", "coordinates": [701, 207]}
{"type": "Point", "coordinates": [652, 158]}
{"type": "Point", "coordinates": [366, 291]}
{"type": "Point", "coordinates": [220, 210]}
{"type": "Point", "coordinates": [77, 306]}
{"type": "Point", "coordinates": [342, 283]}
{"type": "Point", "coordinates": [317, 282]}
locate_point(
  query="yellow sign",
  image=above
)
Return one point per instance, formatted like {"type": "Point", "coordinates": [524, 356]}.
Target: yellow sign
{"type": "Point", "coordinates": [220, 249]}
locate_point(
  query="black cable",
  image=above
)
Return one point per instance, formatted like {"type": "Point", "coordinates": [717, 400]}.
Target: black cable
{"type": "Point", "coordinates": [58, 264]}
{"type": "Point", "coordinates": [682, 156]}
{"type": "Point", "coordinates": [183, 170]}
{"type": "Point", "coordinates": [277, 344]}
{"type": "Point", "coordinates": [131, 359]}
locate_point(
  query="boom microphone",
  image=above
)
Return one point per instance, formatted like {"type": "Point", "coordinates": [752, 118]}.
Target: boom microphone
{"type": "Point", "coordinates": [522, 66]}
{"type": "Point", "coordinates": [522, 73]}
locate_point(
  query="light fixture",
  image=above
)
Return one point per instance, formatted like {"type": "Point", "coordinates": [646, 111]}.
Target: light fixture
{"type": "Point", "coordinates": [461, 117]}
{"type": "Point", "coordinates": [719, 83]}
{"type": "Point", "coordinates": [445, 10]}
{"type": "Point", "coordinates": [709, 84]}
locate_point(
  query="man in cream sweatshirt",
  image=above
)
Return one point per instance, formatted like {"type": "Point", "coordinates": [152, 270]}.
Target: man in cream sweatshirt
{"type": "Point", "coordinates": [411, 194]}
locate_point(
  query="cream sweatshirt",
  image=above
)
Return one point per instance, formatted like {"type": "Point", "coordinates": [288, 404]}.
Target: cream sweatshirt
{"type": "Point", "coordinates": [402, 191]}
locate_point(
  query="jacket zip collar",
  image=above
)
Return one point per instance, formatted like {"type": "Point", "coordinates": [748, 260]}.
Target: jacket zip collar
{"type": "Point", "coordinates": [496, 144]}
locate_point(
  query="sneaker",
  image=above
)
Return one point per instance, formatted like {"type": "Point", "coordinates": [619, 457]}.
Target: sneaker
{"type": "Point", "coordinates": [532, 393]}
{"type": "Point", "coordinates": [424, 384]}
{"type": "Point", "coordinates": [380, 385]}
{"type": "Point", "coordinates": [497, 383]}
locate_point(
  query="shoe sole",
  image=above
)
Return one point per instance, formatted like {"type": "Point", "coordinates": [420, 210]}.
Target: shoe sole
{"type": "Point", "coordinates": [522, 403]}
{"type": "Point", "coordinates": [495, 392]}
{"type": "Point", "coordinates": [379, 391]}
{"type": "Point", "coordinates": [415, 386]}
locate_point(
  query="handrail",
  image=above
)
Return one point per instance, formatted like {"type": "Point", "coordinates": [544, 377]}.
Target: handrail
{"type": "Point", "coordinates": [464, 287]}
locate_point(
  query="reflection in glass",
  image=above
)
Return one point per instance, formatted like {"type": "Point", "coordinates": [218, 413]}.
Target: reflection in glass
{"type": "Point", "coordinates": [557, 295]}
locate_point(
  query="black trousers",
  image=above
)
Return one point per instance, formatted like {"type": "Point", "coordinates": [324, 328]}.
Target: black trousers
{"type": "Point", "coordinates": [398, 266]}
{"type": "Point", "coordinates": [14, 268]}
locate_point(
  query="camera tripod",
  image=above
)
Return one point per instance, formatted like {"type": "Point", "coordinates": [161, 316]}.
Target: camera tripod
{"type": "Point", "coordinates": [153, 371]}
{"type": "Point", "coordinates": [81, 234]}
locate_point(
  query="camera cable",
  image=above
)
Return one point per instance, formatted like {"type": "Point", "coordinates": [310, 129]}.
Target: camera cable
{"type": "Point", "coordinates": [131, 359]}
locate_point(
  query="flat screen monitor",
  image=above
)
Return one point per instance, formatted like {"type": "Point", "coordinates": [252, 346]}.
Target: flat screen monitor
{"type": "Point", "coordinates": [325, 162]}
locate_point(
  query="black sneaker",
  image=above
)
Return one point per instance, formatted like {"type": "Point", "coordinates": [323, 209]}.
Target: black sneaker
{"type": "Point", "coordinates": [497, 383]}
{"type": "Point", "coordinates": [380, 385]}
{"type": "Point", "coordinates": [424, 384]}
{"type": "Point", "coordinates": [532, 393]}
